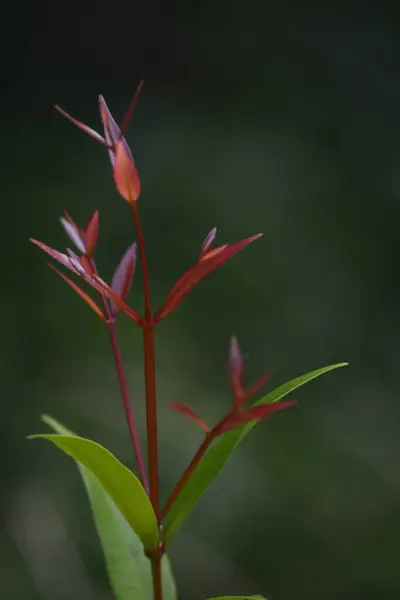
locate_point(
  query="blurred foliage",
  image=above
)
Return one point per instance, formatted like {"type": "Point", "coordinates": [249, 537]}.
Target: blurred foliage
{"type": "Point", "coordinates": [273, 117]}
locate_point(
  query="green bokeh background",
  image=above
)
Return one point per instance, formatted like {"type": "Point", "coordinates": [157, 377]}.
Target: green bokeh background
{"type": "Point", "coordinates": [273, 117]}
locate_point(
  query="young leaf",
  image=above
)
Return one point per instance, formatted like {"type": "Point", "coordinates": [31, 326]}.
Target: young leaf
{"type": "Point", "coordinates": [74, 235]}
{"type": "Point", "coordinates": [255, 413]}
{"type": "Point", "coordinates": [92, 233]}
{"type": "Point", "coordinates": [212, 463]}
{"type": "Point", "coordinates": [207, 263]}
{"type": "Point", "coordinates": [80, 292]}
{"type": "Point", "coordinates": [188, 412]}
{"type": "Point", "coordinates": [118, 481]}
{"type": "Point", "coordinates": [123, 276]}
{"type": "Point", "coordinates": [128, 568]}
{"type": "Point", "coordinates": [208, 242]}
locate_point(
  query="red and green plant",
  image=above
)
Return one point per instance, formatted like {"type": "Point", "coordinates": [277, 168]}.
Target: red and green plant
{"type": "Point", "coordinates": [133, 527]}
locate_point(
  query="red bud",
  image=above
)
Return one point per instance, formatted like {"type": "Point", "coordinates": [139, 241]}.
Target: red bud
{"type": "Point", "coordinates": [125, 173]}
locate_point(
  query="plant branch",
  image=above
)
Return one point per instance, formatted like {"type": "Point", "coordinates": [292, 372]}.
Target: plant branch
{"type": "Point", "coordinates": [127, 405]}
{"type": "Point", "coordinates": [119, 367]}
{"type": "Point", "coordinates": [151, 401]}
{"type": "Point", "coordinates": [156, 575]}
{"type": "Point", "coordinates": [208, 440]}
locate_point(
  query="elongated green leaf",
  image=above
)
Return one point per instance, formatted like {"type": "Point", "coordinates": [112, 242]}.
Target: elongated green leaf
{"type": "Point", "coordinates": [118, 481]}
{"type": "Point", "coordinates": [212, 463]}
{"type": "Point", "coordinates": [129, 570]}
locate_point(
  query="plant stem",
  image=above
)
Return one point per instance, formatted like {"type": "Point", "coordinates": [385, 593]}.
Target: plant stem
{"type": "Point", "coordinates": [119, 367]}
{"type": "Point", "coordinates": [156, 575]}
{"type": "Point", "coordinates": [151, 401]}
{"type": "Point", "coordinates": [143, 260]}
{"type": "Point", "coordinates": [210, 437]}
{"type": "Point", "coordinates": [186, 475]}
{"type": "Point", "coordinates": [151, 412]}
{"type": "Point", "coordinates": [127, 405]}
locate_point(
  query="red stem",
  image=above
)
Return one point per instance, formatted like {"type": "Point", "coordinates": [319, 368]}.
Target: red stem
{"type": "Point", "coordinates": [210, 437]}
{"type": "Point", "coordinates": [156, 575]}
{"type": "Point", "coordinates": [127, 405]}
{"type": "Point", "coordinates": [119, 367]}
{"type": "Point", "coordinates": [151, 401]}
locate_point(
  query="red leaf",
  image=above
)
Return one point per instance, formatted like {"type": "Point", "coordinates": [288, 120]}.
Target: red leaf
{"type": "Point", "coordinates": [74, 234]}
{"type": "Point", "coordinates": [81, 293]}
{"type": "Point", "coordinates": [255, 413]}
{"type": "Point", "coordinates": [112, 132]}
{"type": "Point", "coordinates": [123, 275]}
{"type": "Point", "coordinates": [253, 389]}
{"type": "Point", "coordinates": [70, 219]}
{"type": "Point", "coordinates": [188, 412]}
{"type": "Point", "coordinates": [208, 263]}
{"type": "Point", "coordinates": [91, 233]}
{"type": "Point", "coordinates": [129, 112]}
{"type": "Point", "coordinates": [208, 242]}
{"type": "Point", "coordinates": [81, 125]}
{"type": "Point", "coordinates": [105, 290]}
{"type": "Point", "coordinates": [63, 259]}
{"type": "Point", "coordinates": [87, 265]}
{"type": "Point", "coordinates": [236, 371]}
{"type": "Point", "coordinates": [78, 264]}
{"type": "Point", "coordinates": [125, 173]}
{"type": "Point", "coordinates": [73, 263]}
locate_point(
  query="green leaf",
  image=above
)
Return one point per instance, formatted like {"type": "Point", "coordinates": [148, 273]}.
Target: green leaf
{"type": "Point", "coordinates": [128, 568]}
{"type": "Point", "coordinates": [216, 457]}
{"type": "Point", "coordinates": [118, 481]}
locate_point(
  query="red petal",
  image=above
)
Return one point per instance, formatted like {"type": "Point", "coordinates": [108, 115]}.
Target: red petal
{"type": "Point", "coordinates": [81, 125]}
{"type": "Point", "coordinates": [123, 276]}
{"type": "Point", "coordinates": [130, 109]}
{"type": "Point", "coordinates": [125, 173]}
{"type": "Point", "coordinates": [236, 371]}
{"type": "Point", "coordinates": [255, 413]}
{"type": "Point", "coordinates": [208, 263]}
{"type": "Point", "coordinates": [208, 242]}
{"type": "Point", "coordinates": [188, 412]}
{"type": "Point", "coordinates": [81, 293]}
{"type": "Point", "coordinates": [92, 232]}
{"type": "Point", "coordinates": [74, 234]}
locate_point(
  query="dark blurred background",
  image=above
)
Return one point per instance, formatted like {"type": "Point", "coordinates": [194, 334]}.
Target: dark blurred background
{"type": "Point", "coordinates": [281, 117]}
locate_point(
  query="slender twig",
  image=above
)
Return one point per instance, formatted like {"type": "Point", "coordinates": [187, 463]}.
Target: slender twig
{"type": "Point", "coordinates": [151, 401]}
{"type": "Point", "coordinates": [119, 367]}
{"type": "Point", "coordinates": [127, 405]}
{"type": "Point", "coordinates": [151, 411]}
{"type": "Point", "coordinates": [208, 440]}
